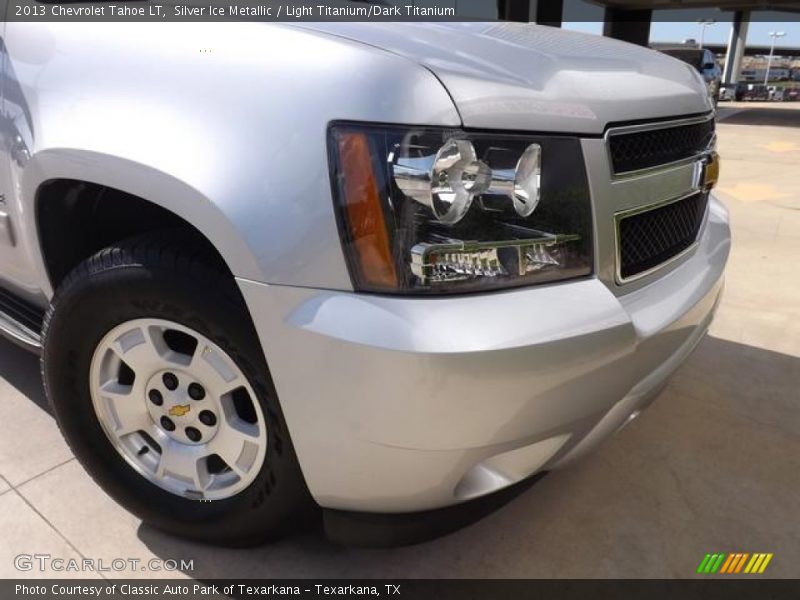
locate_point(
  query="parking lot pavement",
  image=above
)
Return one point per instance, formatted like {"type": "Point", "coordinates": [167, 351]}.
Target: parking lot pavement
{"type": "Point", "coordinates": [713, 465]}
{"type": "Point", "coordinates": [777, 114]}
{"type": "Point", "coordinates": [22, 526]}
{"type": "Point", "coordinates": [29, 446]}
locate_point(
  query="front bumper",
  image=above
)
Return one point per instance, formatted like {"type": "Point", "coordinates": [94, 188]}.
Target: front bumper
{"type": "Point", "coordinates": [400, 405]}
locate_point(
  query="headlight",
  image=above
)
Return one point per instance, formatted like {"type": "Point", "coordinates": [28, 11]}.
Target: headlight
{"type": "Point", "coordinates": [426, 210]}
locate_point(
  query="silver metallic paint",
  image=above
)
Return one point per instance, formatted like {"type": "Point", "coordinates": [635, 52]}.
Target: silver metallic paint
{"type": "Point", "coordinates": [233, 141]}
{"type": "Point", "coordinates": [393, 403]}
{"type": "Point", "coordinates": [405, 396]}
{"type": "Point", "coordinates": [523, 77]}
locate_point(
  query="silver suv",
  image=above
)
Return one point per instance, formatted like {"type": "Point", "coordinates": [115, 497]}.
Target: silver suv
{"type": "Point", "coordinates": [375, 268]}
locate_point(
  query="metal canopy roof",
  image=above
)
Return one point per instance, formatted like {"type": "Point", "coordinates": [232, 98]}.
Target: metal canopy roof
{"type": "Point", "coordinates": [779, 5]}
{"type": "Point", "coordinates": [750, 50]}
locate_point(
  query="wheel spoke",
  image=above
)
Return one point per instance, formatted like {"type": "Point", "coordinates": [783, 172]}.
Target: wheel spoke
{"type": "Point", "coordinates": [236, 444]}
{"type": "Point", "coordinates": [137, 348]}
{"type": "Point", "coordinates": [215, 369]}
{"type": "Point", "coordinates": [125, 408]}
{"type": "Point", "coordinates": [180, 462]}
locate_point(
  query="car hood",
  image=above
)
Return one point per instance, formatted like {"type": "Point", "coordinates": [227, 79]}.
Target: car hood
{"type": "Point", "coordinates": [527, 77]}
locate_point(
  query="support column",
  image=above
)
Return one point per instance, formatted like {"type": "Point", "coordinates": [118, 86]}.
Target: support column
{"type": "Point", "coordinates": [736, 47]}
{"type": "Point", "coordinates": [514, 10]}
{"type": "Point", "coordinates": [547, 12]}
{"type": "Point", "coordinates": [628, 25]}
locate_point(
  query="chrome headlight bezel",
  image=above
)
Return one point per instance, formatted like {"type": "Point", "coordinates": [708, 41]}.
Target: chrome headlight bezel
{"type": "Point", "coordinates": [512, 209]}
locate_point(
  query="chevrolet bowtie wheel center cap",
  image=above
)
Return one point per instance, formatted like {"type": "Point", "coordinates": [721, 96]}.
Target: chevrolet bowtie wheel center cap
{"type": "Point", "coordinates": [181, 408]}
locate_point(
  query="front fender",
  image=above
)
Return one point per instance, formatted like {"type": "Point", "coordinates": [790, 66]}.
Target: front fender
{"type": "Point", "coordinates": [223, 124]}
{"type": "Point", "coordinates": [140, 180]}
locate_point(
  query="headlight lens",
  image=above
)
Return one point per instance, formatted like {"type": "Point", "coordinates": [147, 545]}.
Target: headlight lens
{"type": "Point", "coordinates": [428, 210]}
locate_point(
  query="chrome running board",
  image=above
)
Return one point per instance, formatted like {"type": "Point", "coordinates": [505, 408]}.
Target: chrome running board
{"type": "Point", "coordinates": [21, 322]}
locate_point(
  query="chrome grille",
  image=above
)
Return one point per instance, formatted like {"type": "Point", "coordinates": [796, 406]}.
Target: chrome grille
{"type": "Point", "coordinates": [653, 147]}
{"type": "Point", "coordinates": [650, 237]}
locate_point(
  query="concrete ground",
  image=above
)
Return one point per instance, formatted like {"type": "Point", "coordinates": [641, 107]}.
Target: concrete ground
{"type": "Point", "coordinates": [713, 466]}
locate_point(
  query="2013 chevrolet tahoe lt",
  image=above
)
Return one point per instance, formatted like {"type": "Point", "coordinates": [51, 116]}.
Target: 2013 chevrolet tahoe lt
{"type": "Point", "coordinates": [376, 268]}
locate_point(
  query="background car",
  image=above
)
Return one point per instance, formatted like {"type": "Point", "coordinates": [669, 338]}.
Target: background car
{"type": "Point", "coordinates": [776, 93]}
{"type": "Point", "coordinates": [728, 92]}
{"type": "Point", "coordinates": [706, 64]}
{"type": "Point", "coordinates": [756, 93]}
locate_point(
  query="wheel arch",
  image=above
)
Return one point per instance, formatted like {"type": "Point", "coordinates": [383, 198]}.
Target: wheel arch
{"type": "Point", "coordinates": [144, 195]}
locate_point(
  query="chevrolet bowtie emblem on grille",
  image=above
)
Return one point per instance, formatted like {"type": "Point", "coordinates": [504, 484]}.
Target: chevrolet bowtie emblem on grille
{"type": "Point", "coordinates": [179, 410]}
{"type": "Point", "coordinates": [712, 171]}
{"type": "Point", "coordinates": [706, 172]}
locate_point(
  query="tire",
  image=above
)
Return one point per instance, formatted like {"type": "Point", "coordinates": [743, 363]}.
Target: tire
{"type": "Point", "coordinates": [169, 278]}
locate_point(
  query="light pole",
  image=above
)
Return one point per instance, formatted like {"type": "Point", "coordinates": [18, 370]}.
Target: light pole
{"type": "Point", "coordinates": [774, 35]}
{"type": "Point", "coordinates": [703, 24]}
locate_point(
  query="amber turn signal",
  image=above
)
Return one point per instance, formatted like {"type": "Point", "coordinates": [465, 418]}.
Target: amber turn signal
{"type": "Point", "coordinates": [364, 212]}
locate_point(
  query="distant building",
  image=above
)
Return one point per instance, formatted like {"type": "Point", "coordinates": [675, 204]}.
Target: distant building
{"type": "Point", "coordinates": [754, 68]}
{"type": "Point", "coordinates": [775, 74]}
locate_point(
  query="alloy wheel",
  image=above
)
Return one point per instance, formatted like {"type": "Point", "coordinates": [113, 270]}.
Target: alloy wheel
{"type": "Point", "coordinates": [178, 409]}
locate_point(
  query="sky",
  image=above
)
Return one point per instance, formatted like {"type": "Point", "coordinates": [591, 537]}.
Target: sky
{"type": "Point", "coordinates": [663, 31]}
